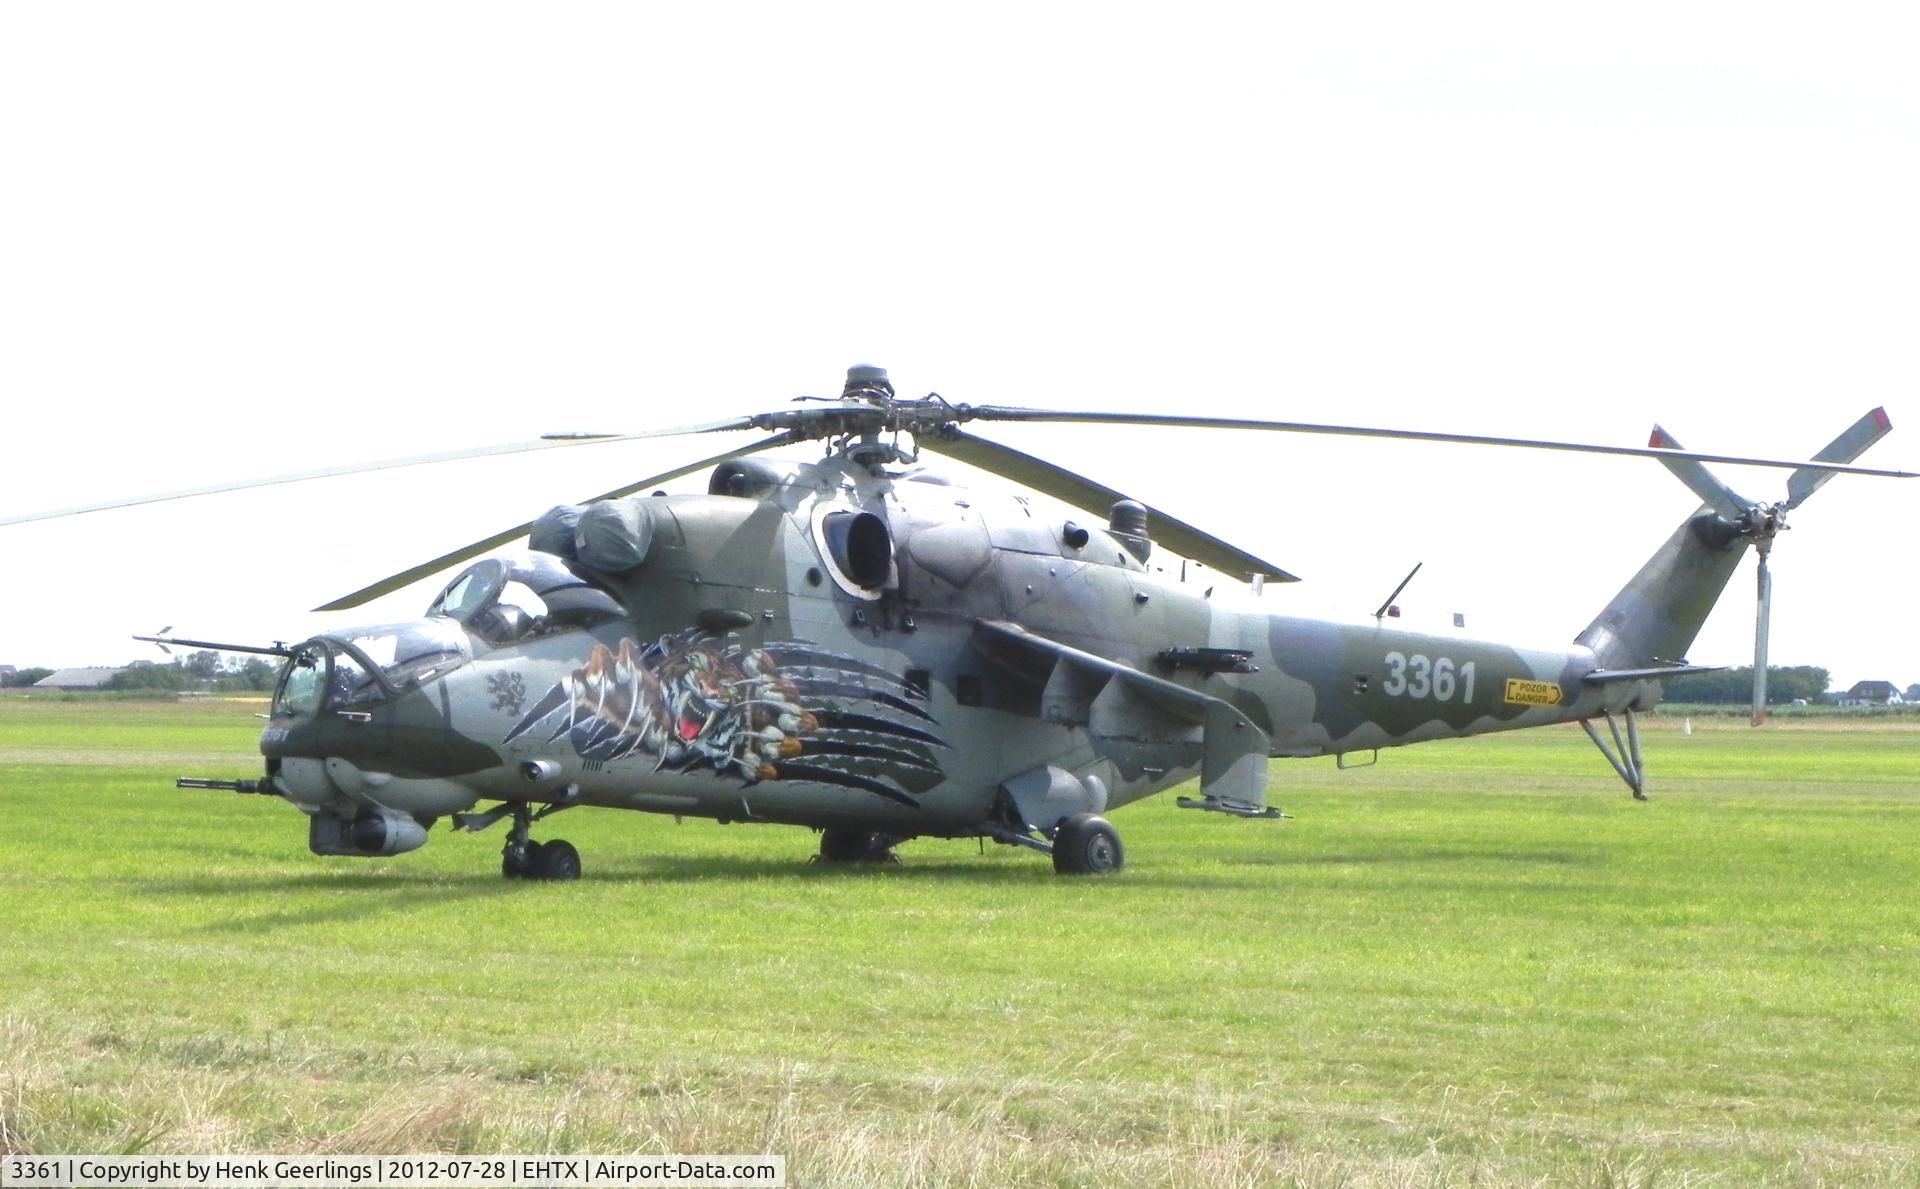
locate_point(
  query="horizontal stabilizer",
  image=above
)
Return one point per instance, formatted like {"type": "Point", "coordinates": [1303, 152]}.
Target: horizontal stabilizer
{"type": "Point", "coordinates": [1608, 676]}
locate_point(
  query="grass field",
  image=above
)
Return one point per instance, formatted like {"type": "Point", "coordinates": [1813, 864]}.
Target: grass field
{"type": "Point", "coordinates": [1476, 963]}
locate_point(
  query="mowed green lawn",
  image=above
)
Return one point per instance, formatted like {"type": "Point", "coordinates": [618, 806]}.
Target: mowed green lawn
{"type": "Point", "coordinates": [1476, 963]}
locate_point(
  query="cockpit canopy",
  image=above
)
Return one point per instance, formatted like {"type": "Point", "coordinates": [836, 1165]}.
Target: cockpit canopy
{"type": "Point", "coordinates": [364, 665]}
{"type": "Point", "coordinates": [496, 601]}
{"type": "Point", "coordinates": [504, 599]}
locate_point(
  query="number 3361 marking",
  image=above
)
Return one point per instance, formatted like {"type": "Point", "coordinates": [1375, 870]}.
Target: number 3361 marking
{"type": "Point", "coordinates": [1419, 676]}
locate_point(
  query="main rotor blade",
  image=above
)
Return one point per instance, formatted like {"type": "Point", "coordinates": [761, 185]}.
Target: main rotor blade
{"type": "Point", "coordinates": [406, 577]}
{"type": "Point", "coordinates": [1703, 482]}
{"type": "Point", "coordinates": [1082, 492]}
{"type": "Point", "coordinates": [1845, 448]}
{"type": "Point", "coordinates": [554, 443]}
{"type": "Point", "coordinates": [1762, 612]}
{"type": "Point", "coordinates": [1005, 413]}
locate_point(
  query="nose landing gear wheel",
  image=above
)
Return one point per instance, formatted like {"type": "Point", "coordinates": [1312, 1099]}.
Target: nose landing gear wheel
{"type": "Point", "coordinates": [1086, 845]}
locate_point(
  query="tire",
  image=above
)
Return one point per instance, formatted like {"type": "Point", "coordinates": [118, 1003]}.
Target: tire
{"type": "Point", "coordinates": [1087, 845]}
{"type": "Point", "coordinates": [524, 869]}
{"type": "Point", "coordinates": [839, 844]}
{"type": "Point", "coordinates": [557, 861]}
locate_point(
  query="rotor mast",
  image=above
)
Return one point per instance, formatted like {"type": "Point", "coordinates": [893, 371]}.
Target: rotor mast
{"type": "Point", "coordinates": [868, 388]}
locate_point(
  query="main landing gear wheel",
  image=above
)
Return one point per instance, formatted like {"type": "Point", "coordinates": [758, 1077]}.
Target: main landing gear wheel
{"type": "Point", "coordinates": [557, 861]}
{"type": "Point", "coordinates": [523, 858]}
{"type": "Point", "coordinates": [841, 845]}
{"type": "Point", "coordinates": [520, 862]}
{"type": "Point", "coordinates": [1086, 845]}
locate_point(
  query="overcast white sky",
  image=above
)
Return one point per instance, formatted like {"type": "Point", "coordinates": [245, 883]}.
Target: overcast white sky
{"type": "Point", "coordinates": [241, 239]}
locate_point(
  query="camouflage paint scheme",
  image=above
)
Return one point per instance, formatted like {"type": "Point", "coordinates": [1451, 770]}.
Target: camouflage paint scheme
{"type": "Point", "coordinates": [1006, 664]}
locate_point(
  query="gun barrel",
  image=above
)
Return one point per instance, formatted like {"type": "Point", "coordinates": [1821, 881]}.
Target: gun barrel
{"type": "Point", "coordinates": [231, 786]}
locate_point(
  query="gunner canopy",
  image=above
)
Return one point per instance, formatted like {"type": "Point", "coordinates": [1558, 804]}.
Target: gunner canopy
{"type": "Point", "coordinates": [504, 599]}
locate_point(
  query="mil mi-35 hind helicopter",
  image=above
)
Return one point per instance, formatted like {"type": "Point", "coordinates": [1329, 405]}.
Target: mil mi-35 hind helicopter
{"type": "Point", "coordinates": [856, 645]}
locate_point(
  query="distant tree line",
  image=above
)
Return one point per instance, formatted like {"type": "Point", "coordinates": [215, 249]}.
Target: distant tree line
{"type": "Point", "coordinates": [1735, 686]}
{"type": "Point", "coordinates": [203, 670]}
{"type": "Point", "coordinates": [199, 671]}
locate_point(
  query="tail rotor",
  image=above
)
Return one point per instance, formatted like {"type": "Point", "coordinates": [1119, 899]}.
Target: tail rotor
{"type": "Point", "coordinates": [1760, 523]}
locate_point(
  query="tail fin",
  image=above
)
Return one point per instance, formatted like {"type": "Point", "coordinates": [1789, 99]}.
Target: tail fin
{"type": "Point", "coordinates": [1656, 615]}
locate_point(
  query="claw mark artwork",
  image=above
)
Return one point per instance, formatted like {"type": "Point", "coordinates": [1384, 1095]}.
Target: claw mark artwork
{"type": "Point", "coordinates": [785, 710]}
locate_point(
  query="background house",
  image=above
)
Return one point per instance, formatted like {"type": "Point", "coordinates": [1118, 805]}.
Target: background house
{"type": "Point", "coordinates": [1873, 693]}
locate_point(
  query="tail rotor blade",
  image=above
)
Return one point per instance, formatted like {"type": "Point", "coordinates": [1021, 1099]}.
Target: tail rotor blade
{"type": "Point", "coordinates": [1763, 609]}
{"type": "Point", "coordinates": [1694, 473]}
{"type": "Point", "coordinates": [1845, 448]}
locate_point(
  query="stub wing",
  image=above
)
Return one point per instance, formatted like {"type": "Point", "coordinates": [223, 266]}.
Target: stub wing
{"type": "Point", "coordinates": [1116, 702]}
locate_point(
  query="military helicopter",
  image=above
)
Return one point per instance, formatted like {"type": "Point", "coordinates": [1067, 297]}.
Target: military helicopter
{"type": "Point", "coordinates": [857, 645]}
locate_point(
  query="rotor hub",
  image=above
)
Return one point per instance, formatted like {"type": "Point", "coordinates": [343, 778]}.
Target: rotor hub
{"type": "Point", "coordinates": [866, 408]}
{"type": "Point", "coordinates": [1763, 522]}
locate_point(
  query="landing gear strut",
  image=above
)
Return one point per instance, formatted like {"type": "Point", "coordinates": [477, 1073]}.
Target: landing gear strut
{"type": "Point", "coordinates": [523, 858]}
{"type": "Point", "coordinates": [1084, 844]}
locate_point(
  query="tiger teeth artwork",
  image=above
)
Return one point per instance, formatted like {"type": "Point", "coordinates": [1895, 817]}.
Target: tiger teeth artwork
{"type": "Point", "coordinates": [784, 710]}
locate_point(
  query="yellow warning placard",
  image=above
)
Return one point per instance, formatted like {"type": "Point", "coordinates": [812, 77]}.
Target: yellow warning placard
{"type": "Point", "coordinates": [1532, 693]}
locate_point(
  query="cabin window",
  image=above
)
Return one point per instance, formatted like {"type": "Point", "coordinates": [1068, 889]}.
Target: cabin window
{"type": "Point", "coordinates": [300, 683]}
{"type": "Point", "coordinates": [349, 683]}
